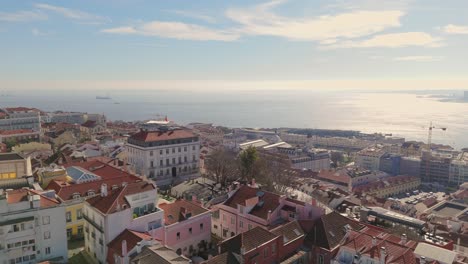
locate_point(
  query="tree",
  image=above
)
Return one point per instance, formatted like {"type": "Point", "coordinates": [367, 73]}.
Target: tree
{"type": "Point", "coordinates": [248, 158]}
{"type": "Point", "coordinates": [336, 158]}
{"type": "Point", "coordinates": [10, 143]}
{"type": "Point", "coordinates": [221, 165]}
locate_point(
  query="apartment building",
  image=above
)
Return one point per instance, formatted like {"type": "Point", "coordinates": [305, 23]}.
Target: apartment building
{"type": "Point", "coordinates": [132, 206]}
{"type": "Point", "coordinates": [187, 227]}
{"type": "Point", "coordinates": [248, 207]}
{"type": "Point", "coordinates": [14, 118]}
{"type": "Point", "coordinates": [435, 168]}
{"type": "Point", "coordinates": [32, 227]}
{"type": "Point", "coordinates": [164, 153]}
{"type": "Point", "coordinates": [369, 158]}
{"type": "Point", "coordinates": [13, 166]}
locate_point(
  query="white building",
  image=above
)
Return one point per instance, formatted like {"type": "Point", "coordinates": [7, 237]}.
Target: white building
{"type": "Point", "coordinates": [369, 158]}
{"type": "Point", "coordinates": [164, 153]}
{"type": "Point", "coordinates": [32, 228]}
{"type": "Point", "coordinates": [14, 118]}
{"type": "Point", "coordinates": [132, 206]}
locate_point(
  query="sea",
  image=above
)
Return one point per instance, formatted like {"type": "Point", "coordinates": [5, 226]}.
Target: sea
{"type": "Point", "coordinates": [400, 113]}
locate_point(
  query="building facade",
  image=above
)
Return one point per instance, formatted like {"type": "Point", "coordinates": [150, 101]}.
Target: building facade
{"type": "Point", "coordinates": [15, 118]}
{"type": "Point", "coordinates": [32, 228]}
{"type": "Point", "coordinates": [14, 166]}
{"type": "Point", "coordinates": [166, 154]}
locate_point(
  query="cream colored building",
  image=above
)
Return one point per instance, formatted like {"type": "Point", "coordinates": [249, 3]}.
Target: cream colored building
{"type": "Point", "coordinates": [13, 165]}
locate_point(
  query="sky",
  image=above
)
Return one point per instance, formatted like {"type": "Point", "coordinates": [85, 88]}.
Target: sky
{"type": "Point", "coordinates": [245, 44]}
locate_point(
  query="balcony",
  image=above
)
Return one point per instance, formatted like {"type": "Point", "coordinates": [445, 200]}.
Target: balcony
{"type": "Point", "coordinates": [145, 213]}
{"type": "Point", "coordinates": [90, 221]}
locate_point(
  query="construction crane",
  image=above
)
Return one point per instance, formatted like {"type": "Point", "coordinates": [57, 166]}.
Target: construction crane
{"type": "Point", "coordinates": [429, 134]}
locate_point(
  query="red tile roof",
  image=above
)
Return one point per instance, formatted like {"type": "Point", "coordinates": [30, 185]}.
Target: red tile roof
{"type": "Point", "coordinates": [177, 211]}
{"type": "Point", "coordinates": [152, 136]}
{"type": "Point", "coordinates": [100, 168]}
{"type": "Point", "coordinates": [334, 176]}
{"type": "Point", "coordinates": [116, 198]}
{"type": "Point", "coordinates": [89, 124]}
{"type": "Point", "coordinates": [66, 190]}
{"type": "Point", "coordinates": [21, 195]}
{"type": "Point", "coordinates": [270, 200]}
{"type": "Point", "coordinates": [131, 237]}
{"type": "Point", "coordinates": [17, 131]}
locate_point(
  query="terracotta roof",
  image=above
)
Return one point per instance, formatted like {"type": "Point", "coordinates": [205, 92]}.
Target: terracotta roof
{"type": "Point", "coordinates": [131, 237]}
{"type": "Point", "coordinates": [21, 109]}
{"type": "Point", "coordinates": [152, 136]}
{"type": "Point", "coordinates": [329, 230]}
{"type": "Point", "coordinates": [224, 258]}
{"type": "Point", "coordinates": [159, 254]}
{"type": "Point", "coordinates": [89, 124]}
{"type": "Point", "coordinates": [178, 210]}
{"type": "Point", "coordinates": [248, 240]}
{"type": "Point", "coordinates": [116, 198]}
{"type": "Point", "coordinates": [340, 176]}
{"type": "Point", "coordinates": [100, 168]}
{"type": "Point", "coordinates": [289, 231]}
{"type": "Point", "coordinates": [21, 195]}
{"type": "Point", "coordinates": [270, 200]}
{"type": "Point", "coordinates": [17, 131]}
{"type": "Point", "coordinates": [66, 190]}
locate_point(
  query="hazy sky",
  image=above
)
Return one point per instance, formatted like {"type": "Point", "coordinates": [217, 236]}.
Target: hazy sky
{"type": "Point", "coordinates": [98, 44]}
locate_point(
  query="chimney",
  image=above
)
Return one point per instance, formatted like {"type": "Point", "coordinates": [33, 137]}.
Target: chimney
{"type": "Point", "coordinates": [422, 260]}
{"type": "Point", "coordinates": [138, 247]}
{"type": "Point", "coordinates": [253, 184]}
{"type": "Point", "coordinates": [374, 241]}
{"type": "Point", "coordinates": [383, 255]}
{"type": "Point", "coordinates": [404, 239]}
{"type": "Point", "coordinates": [124, 251]}
{"type": "Point", "coordinates": [269, 214]}
{"type": "Point", "coordinates": [103, 190]}
{"type": "Point", "coordinates": [194, 198]}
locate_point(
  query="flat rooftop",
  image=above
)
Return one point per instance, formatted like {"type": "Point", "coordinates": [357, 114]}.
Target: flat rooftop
{"type": "Point", "coordinates": [10, 156]}
{"type": "Point", "coordinates": [449, 209]}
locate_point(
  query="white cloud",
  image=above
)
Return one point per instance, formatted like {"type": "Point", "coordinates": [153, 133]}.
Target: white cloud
{"type": "Point", "coordinates": [194, 15]}
{"type": "Point", "coordinates": [22, 16]}
{"type": "Point", "coordinates": [425, 58]}
{"type": "Point", "coordinates": [83, 17]}
{"type": "Point", "coordinates": [260, 20]}
{"type": "Point", "coordinates": [455, 29]}
{"type": "Point", "coordinates": [176, 30]}
{"type": "Point", "coordinates": [393, 40]}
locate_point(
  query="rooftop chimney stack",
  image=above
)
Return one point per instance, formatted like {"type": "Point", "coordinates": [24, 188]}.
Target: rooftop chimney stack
{"type": "Point", "coordinates": [374, 241]}
{"type": "Point", "coordinates": [422, 260]}
{"type": "Point", "coordinates": [103, 190]}
{"type": "Point", "coordinates": [383, 255]}
{"type": "Point", "coordinates": [404, 239]}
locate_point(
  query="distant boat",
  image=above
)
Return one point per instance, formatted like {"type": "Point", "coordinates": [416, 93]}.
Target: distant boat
{"type": "Point", "coordinates": [103, 97]}
{"type": "Point", "coordinates": [116, 103]}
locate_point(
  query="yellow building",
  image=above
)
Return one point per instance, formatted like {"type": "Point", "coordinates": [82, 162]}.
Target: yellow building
{"type": "Point", "coordinates": [13, 165]}
{"type": "Point", "coordinates": [53, 172]}
{"type": "Point", "coordinates": [390, 186]}
{"type": "Point", "coordinates": [81, 182]}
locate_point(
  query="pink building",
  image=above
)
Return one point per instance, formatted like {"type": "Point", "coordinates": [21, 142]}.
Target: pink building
{"type": "Point", "coordinates": [248, 207]}
{"type": "Point", "coordinates": [187, 227]}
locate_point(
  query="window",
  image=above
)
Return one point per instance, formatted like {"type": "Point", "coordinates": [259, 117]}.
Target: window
{"type": "Point", "coordinates": [47, 250]}
{"type": "Point", "coordinates": [47, 235]}
{"type": "Point", "coordinates": [173, 150]}
{"type": "Point", "coordinates": [320, 259]}
{"type": "Point", "coordinates": [152, 164]}
{"type": "Point", "coordinates": [185, 159]}
{"type": "Point", "coordinates": [151, 153]}
{"type": "Point", "coordinates": [193, 157]}
{"type": "Point", "coordinates": [201, 226]}
{"type": "Point", "coordinates": [265, 252]}
{"type": "Point", "coordinates": [241, 224]}
{"type": "Point", "coordinates": [80, 230]}
{"type": "Point", "coordinates": [46, 220]}
{"type": "Point", "coordinates": [190, 230]}
{"type": "Point", "coordinates": [179, 149]}
{"type": "Point", "coordinates": [69, 233]}
{"type": "Point", "coordinates": [161, 163]}
{"type": "Point", "coordinates": [273, 249]}
{"type": "Point", "coordinates": [193, 147]}
{"type": "Point", "coordinates": [160, 152]}
{"type": "Point", "coordinates": [167, 162]}
{"type": "Point", "coordinates": [180, 160]}
{"type": "Point", "coordinates": [178, 235]}
{"type": "Point", "coordinates": [68, 217]}
{"type": "Point", "coordinates": [232, 220]}
{"type": "Point", "coordinates": [167, 151]}
{"type": "Point", "coordinates": [224, 218]}
{"type": "Point", "coordinates": [76, 196]}
{"type": "Point", "coordinates": [185, 148]}
{"type": "Point", "coordinates": [173, 160]}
